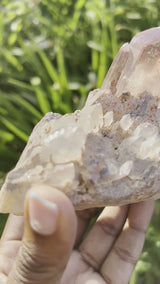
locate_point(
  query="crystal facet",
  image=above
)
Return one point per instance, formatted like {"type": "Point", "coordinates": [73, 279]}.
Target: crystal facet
{"type": "Point", "coordinates": [109, 152]}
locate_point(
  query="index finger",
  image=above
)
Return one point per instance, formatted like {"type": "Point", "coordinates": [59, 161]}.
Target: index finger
{"type": "Point", "coordinates": [13, 229]}
{"type": "Point", "coordinates": [127, 249]}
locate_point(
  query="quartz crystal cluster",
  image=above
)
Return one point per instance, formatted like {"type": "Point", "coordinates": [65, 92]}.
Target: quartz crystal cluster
{"type": "Point", "coordinates": [108, 153]}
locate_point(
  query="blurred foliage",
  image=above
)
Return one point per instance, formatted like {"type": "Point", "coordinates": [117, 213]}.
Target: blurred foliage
{"type": "Point", "coordinates": [52, 53]}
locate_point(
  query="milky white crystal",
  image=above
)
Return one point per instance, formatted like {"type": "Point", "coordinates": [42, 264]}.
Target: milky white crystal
{"type": "Point", "coordinates": [91, 118]}
{"type": "Point", "coordinates": [108, 153]}
{"type": "Point", "coordinates": [125, 169]}
{"type": "Point", "coordinates": [108, 118]}
{"type": "Point", "coordinates": [64, 176]}
{"type": "Point", "coordinates": [64, 145]}
{"type": "Point", "coordinates": [126, 121]}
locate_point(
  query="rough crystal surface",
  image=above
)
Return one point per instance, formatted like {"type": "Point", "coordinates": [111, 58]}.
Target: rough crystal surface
{"type": "Point", "coordinates": [109, 152]}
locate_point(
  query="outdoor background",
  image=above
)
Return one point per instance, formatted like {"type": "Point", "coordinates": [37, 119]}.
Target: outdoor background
{"type": "Point", "coordinates": [52, 53]}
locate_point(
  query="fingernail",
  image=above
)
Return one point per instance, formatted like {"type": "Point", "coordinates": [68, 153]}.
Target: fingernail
{"type": "Point", "coordinates": [42, 215]}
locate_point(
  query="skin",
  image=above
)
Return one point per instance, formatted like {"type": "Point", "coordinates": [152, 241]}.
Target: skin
{"type": "Point", "coordinates": [107, 254]}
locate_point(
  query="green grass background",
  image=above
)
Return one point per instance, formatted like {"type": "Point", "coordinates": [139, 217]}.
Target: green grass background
{"type": "Point", "coordinates": [52, 53]}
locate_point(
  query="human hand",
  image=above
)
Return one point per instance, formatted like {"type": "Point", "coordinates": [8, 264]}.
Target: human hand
{"type": "Point", "coordinates": [43, 252]}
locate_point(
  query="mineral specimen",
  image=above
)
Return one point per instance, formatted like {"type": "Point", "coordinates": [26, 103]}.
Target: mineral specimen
{"type": "Point", "coordinates": [109, 152]}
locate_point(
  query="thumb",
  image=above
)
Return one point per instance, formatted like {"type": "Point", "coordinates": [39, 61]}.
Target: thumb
{"type": "Point", "coordinates": [49, 234]}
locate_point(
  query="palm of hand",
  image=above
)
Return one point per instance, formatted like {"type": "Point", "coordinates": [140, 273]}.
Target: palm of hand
{"type": "Point", "coordinates": [107, 254]}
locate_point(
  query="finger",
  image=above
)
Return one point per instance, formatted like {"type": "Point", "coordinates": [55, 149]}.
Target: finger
{"type": "Point", "coordinates": [3, 279]}
{"type": "Point", "coordinates": [49, 235]}
{"type": "Point", "coordinates": [103, 234]}
{"type": "Point", "coordinates": [83, 218]}
{"type": "Point", "coordinates": [79, 272]}
{"type": "Point", "coordinates": [10, 243]}
{"type": "Point", "coordinates": [128, 246]}
{"type": "Point", "coordinates": [13, 229]}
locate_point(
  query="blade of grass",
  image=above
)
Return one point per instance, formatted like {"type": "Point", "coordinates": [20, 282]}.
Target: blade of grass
{"type": "Point", "coordinates": [10, 126]}
{"type": "Point", "coordinates": [32, 58]}
{"type": "Point", "coordinates": [20, 84]}
{"type": "Point", "coordinates": [55, 97]}
{"type": "Point", "coordinates": [103, 61]}
{"type": "Point", "coordinates": [61, 68]}
{"type": "Point", "coordinates": [12, 59]}
{"type": "Point", "coordinates": [28, 106]}
{"type": "Point", "coordinates": [95, 59]}
{"type": "Point", "coordinates": [65, 108]}
{"type": "Point", "coordinates": [49, 67]}
{"type": "Point", "coordinates": [42, 100]}
{"type": "Point", "coordinates": [7, 136]}
{"type": "Point", "coordinates": [3, 111]}
{"type": "Point", "coordinates": [77, 13]}
{"type": "Point", "coordinates": [12, 111]}
{"type": "Point", "coordinates": [114, 41]}
{"type": "Point", "coordinates": [133, 278]}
